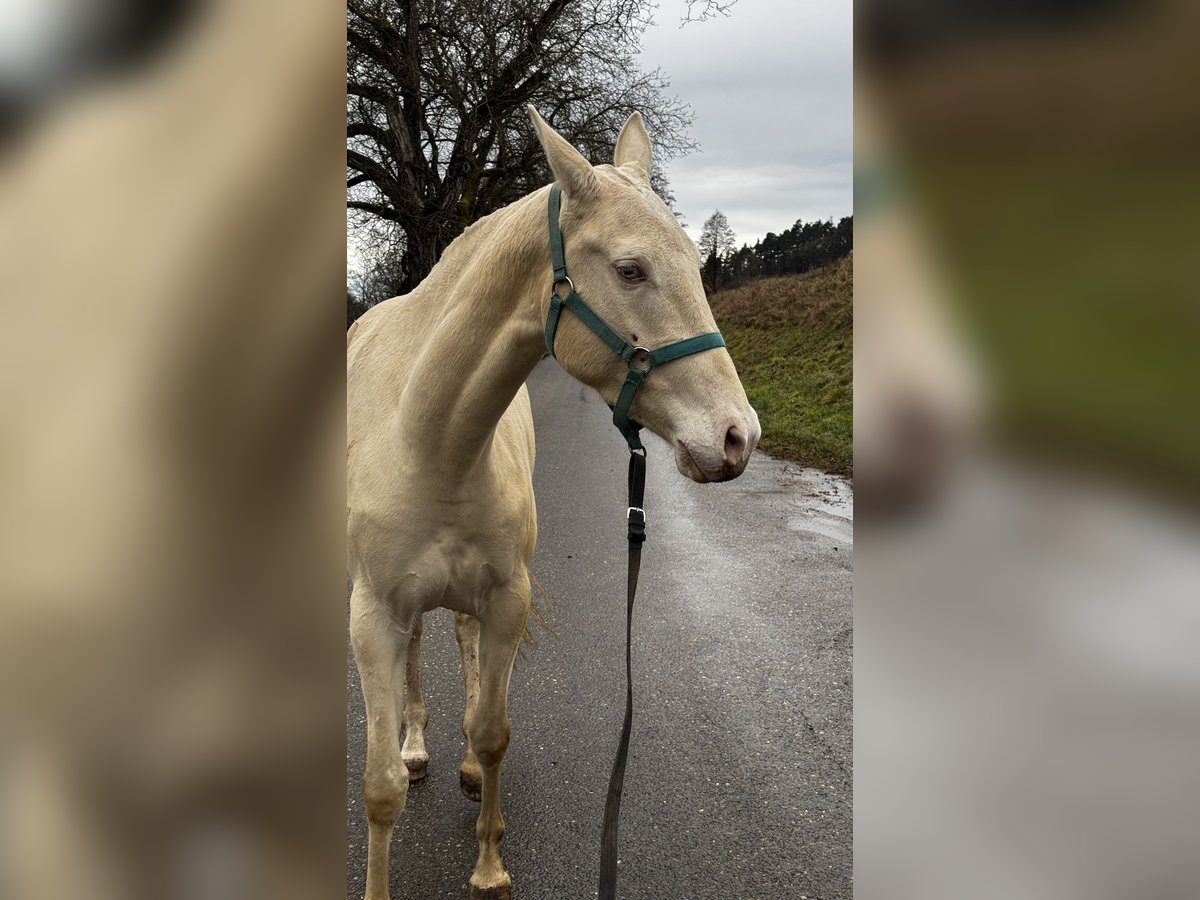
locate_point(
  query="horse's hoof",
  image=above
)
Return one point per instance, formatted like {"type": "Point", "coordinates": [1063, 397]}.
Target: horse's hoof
{"type": "Point", "coordinates": [417, 768]}
{"type": "Point", "coordinates": [472, 786]}
{"type": "Point", "coordinates": [497, 892]}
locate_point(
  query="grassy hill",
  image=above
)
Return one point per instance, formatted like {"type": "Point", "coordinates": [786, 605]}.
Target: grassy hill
{"type": "Point", "coordinates": [791, 339]}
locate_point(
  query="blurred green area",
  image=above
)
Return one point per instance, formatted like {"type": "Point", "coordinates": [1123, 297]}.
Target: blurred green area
{"type": "Point", "coordinates": [1054, 174]}
{"type": "Point", "coordinates": [1076, 277]}
{"type": "Point", "coordinates": [791, 338]}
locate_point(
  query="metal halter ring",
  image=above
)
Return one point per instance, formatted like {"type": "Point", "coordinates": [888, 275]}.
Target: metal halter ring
{"type": "Point", "coordinates": [567, 279]}
{"type": "Point", "coordinates": [641, 359]}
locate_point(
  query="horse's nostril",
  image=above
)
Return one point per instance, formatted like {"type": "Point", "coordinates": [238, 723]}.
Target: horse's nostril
{"type": "Point", "coordinates": [735, 445]}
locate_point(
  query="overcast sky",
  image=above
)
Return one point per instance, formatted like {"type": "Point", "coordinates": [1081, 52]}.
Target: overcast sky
{"type": "Point", "coordinates": [771, 89]}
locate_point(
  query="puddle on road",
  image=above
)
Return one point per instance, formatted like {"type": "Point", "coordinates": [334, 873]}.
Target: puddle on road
{"type": "Point", "coordinates": [824, 503]}
{"type": "Point", "coordinates": [833, 528]}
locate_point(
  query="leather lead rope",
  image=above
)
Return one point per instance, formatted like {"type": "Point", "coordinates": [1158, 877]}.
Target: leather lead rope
{"type": "Point", "coordinates": [612, 805]}
{"type": "Point", "coordinates": [640, 361]}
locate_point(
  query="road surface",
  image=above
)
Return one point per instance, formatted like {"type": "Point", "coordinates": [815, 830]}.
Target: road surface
{"type": "Point", "coordinates": [738, 785]}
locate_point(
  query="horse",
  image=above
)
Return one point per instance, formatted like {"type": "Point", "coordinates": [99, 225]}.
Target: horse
{"type": "Point", "coordinates": [440, 449]}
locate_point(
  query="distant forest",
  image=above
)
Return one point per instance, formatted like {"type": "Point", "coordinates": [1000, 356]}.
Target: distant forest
{"type": "Point", "coordinates": [804, 246]}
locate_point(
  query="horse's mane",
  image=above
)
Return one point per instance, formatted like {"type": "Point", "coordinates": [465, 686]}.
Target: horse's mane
{"type": "Point", "coordinates": [466, 248]}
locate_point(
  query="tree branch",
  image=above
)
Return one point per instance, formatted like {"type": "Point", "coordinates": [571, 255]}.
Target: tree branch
{"type": "Point", "coordinates": [375, 209]}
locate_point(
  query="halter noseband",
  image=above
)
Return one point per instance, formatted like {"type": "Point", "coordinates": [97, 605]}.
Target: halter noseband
{"type": "Point", "coordinates": [639, 359]}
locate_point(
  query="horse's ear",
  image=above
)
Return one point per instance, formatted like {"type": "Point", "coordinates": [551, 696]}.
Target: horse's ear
{"type": "Point", "coordinates": [572, 172]}
{"type": "Point", "coordinates": [633, 148]}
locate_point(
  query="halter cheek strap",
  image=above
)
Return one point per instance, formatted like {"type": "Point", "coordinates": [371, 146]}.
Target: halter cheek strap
{"type": "Point", "coordinates": [639, 359]}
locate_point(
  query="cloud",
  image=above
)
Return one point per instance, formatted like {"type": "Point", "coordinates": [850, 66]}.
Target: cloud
{"type": "Point", "coordinates": [772, 89]}
{"type": "Point", "coordinates": [762, 198]}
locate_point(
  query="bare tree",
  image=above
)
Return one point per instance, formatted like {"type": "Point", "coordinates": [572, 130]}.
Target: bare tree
{"type": "Point", "coordinates": [717, 244]}
{"type": "Point", "coordinates": [437, 134]}
{"type": "Point", "coordinates": [703, 10]}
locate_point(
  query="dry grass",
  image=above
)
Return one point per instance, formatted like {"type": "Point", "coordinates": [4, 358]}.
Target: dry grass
{"type": "Point", "coordinates": [791, 338]}
{"type": "Point", "coordinates": [821, 297]}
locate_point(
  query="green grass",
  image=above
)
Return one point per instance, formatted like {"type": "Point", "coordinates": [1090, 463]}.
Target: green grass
{"type": "Point", "coordinates": [1076, 274]}
{"type": "Point", "coordinates": [791, 339]}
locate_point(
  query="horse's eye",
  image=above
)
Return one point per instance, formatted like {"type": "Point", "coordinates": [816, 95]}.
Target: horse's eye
{"type": "Point", "coordinates": [630, 271]}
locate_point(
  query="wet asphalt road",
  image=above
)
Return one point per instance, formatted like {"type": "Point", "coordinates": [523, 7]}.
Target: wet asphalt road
{"type": "Point", "coordinates": [738, 783]}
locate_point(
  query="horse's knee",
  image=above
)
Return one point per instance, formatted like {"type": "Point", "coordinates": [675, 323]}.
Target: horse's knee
{"type": "Point", "coordinates": [384, 793]}
{"type": "Point", "coordinates": [489, 739]}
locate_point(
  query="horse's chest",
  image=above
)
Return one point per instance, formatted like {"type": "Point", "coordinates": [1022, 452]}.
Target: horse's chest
{"type": "Point", "coordinates": [443, 548]}
{"type": "Point", "coordinates": [460, 570]}
{"type": "Point", "coordinates": [462, 554]}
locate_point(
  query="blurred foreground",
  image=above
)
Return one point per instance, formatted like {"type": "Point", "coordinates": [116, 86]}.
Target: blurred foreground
{"type": "Point", "coordinates": [171, 634]}
{"type": "Point", "coordinates": [1027, 356]}
{"type": "Point", "coordinates": [1027, 452]}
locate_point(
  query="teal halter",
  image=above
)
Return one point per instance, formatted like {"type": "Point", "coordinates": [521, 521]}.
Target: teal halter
{"type": "Point", "coordinates": [639, 359]}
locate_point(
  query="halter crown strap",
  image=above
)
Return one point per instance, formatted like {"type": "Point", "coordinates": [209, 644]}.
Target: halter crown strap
{"type": "Point", "coordinates": [556, 242]}
{"type": "Point", "coordinates": [639, 360]}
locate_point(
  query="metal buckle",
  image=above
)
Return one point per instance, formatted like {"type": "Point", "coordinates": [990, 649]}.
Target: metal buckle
{"type": "Point", "coordinates": [637, 525]}
{"type": "Point", "coordinates": [640, 359]}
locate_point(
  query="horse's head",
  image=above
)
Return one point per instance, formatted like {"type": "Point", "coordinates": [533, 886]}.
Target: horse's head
{"type": "Point", "coordinates": [634, 264]}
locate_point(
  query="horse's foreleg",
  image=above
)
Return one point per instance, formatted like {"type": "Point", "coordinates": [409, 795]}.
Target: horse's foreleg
{"type": "Point", "coordinates": [375, 637]}
{"type": "Point", "coordinates": [502, 623]}
{"type": "Point", "coordinates": [466, 630]}
{"type": "Point", "coordinates": [415, 712]}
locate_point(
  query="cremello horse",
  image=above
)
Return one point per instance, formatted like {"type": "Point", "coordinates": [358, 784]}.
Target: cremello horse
{"type": "Point", "coordinates": [440, 450]}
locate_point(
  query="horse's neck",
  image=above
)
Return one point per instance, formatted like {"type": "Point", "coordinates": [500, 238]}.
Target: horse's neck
{"type": "Point", "coordinates": [484, 341]}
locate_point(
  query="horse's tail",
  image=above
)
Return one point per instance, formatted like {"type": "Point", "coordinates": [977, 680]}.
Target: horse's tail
{"type": "Point", "coordinates": [541, 606]}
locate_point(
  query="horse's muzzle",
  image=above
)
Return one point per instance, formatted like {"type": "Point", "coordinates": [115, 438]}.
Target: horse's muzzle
{"type": "Point", "coordinates": [723, 456]}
